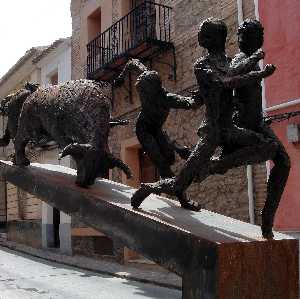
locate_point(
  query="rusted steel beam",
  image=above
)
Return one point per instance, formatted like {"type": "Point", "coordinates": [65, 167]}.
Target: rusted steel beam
{"type": "Point", "coordinates": [217, 256]}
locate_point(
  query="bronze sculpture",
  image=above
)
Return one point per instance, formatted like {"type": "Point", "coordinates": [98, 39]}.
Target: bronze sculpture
{"type": "Point", "coordinates": [217, 77]}
{"type": "Point", "coordinates": [76, 114]}
{"type": "Point", "coordinates": [11, 107]}
{"type": "Point", "coordinates": [250, 116]}
{"type": "Point", "coordinates": [156, 103]}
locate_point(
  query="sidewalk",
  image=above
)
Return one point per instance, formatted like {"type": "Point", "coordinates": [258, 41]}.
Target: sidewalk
{"type": "Point", "coordinates": [157, 276]}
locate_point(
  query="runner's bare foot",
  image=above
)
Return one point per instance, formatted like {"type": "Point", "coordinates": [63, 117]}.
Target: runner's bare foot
{"type": "Point", "coordinates": [267, 232]}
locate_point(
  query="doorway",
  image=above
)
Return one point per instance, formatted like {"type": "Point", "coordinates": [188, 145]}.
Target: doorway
{"type": "Point", "coordinates": [56, 223]}
{"type": "Point", "coordinates": [144, 170]}
{"type": "Point", "coordinates": [148, 172]}
{"type": "Point", "coordinates": [3, 204]}
{"type": "Point", "coordinates": [144, 21]}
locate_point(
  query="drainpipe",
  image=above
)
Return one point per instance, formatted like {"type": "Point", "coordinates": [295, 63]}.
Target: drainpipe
{"type": "Point", "coordinates": [261, 64]}
{"type": "Point", "coordinates": [250, 193]}
{"type": "Point", "coordinates": [240, 11]}
{"type": "Point", "coordinates": [240, 15]}
{"type": "Point", "coordinates": [283, 105]}
{"type": "Point", "coordinates": [256, 10]}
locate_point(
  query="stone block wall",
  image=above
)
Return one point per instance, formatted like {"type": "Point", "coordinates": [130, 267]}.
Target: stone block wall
{"type": "Point", "coordinates": [76, 61]}
{"type": "Point", "coordinates": [28, 232]}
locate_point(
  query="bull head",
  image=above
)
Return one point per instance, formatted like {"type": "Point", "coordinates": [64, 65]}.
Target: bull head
{"type": "Point", "coordinates": [90, 162]}
{"type": "Point", "coordinates": [4, 105]}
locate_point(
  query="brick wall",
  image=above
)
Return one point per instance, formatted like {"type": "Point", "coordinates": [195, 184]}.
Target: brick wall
{"type": "Point", "coordinates": [20, 204]}
{"type": "Point", "coordinates": [76, 63]}
{"type": "Point", "coordinates": [12, 202]}
{"type": "Point", "coordinates": [25, 232]}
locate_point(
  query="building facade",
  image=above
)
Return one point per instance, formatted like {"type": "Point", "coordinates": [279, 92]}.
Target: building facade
{"type": "Point", "coordinates": [164, 35]}
{"type": "Point", "coordinates": [27, 219]}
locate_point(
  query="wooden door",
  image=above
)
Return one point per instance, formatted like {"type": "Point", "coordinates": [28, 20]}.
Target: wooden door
{"type": "Point", "coordinates": [148, 172]}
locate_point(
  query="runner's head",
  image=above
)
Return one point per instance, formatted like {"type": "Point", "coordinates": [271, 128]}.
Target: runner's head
{"type": "Point", "coordinates": [212, 34]}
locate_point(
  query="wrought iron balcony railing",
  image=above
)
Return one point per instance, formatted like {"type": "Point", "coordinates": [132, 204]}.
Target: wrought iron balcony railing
{"type": "Point", "coordinates": [145, 26]}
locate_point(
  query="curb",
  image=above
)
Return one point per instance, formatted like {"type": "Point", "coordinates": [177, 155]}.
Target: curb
{"type": "Point", "coordinates": [161, 278]}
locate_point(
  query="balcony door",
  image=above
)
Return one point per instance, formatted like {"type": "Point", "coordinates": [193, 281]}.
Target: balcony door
{"type": "Point", "coordinates": [144, 20]}
{"type": "Point", "coordinates": [148, 172]}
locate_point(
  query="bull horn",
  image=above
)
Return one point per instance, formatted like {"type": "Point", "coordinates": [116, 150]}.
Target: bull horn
{"type": "Point", "coordinates": [75, 149]}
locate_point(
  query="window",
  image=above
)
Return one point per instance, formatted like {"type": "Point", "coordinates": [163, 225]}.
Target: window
{"type": "Point", "coordinates": [53, 79]}
{"type": "Point", "coordinates": [148, 172]}
{"type": "Point", "coordinates": [94, 24]}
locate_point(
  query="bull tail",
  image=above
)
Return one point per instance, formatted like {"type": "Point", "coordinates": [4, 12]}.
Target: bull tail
{"type": "Point", "coordinates": [115, 162]}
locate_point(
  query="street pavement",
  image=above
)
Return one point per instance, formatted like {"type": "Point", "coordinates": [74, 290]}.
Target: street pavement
{"type": "Point", "coordinates": [26, 277]}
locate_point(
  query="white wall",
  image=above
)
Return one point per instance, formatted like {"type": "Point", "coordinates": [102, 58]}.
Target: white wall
{"type": "Point", "coordinates": [51, 157]}
{"type": "Point", "coordinates": [59, 60]}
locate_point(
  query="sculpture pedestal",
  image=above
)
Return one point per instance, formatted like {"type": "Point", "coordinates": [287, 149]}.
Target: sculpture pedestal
{"type": "Point", "coordinates": [218, 257]}
{"type": "Point", "coordinates": [248, 270]}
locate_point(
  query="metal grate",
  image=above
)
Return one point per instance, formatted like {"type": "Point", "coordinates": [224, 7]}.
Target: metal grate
{"type": "Point", "coordinates": [147, 22]}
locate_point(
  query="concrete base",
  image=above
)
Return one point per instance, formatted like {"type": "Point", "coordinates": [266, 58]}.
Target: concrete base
{"type": "Point", "coordinates": [65, 238]}
{"type": "Point", "coordinates": [47, 235]}
{"type": "Point", "coordinates": [27, 232]}
{"type": "Point", "coordinates": [92, 246]}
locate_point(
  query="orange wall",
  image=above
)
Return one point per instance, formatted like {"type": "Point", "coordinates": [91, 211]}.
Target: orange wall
{"type": "Point", "coordinates": [281, 19]}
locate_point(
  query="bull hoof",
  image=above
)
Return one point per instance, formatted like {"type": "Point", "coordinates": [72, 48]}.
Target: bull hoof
{"type": "Point", "coordinates": [267, 232]}
{"type": "Point", "coordinates": [21, 162]}
{"type": "Point", "coordinates": [90, 182]}
{"type": "Point", "coordinates": [191, 205]}
{"type": "Point", "coordinates": [139, 196]}
{"type": "Point", "coordinates": [13, 159]}
{"type": "Point", "coordinates": [81, 185]}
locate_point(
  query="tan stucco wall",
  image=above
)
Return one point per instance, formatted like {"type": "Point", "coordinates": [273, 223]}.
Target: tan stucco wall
{"type": "Point", "coordinates": [80, 11]}
{"type": "Point", "coordinates": [21, 205]}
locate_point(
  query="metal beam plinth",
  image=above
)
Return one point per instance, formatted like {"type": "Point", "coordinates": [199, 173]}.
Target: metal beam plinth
{"type": "Point", "coordinates": [217, 257]}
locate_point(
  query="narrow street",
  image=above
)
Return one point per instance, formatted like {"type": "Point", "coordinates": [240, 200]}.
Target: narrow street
{"type": "Point", "coordinates": [26, 277]}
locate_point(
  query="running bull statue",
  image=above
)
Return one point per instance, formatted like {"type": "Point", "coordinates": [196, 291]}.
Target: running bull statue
{"type": "Point", "coordinates": [75, 114]}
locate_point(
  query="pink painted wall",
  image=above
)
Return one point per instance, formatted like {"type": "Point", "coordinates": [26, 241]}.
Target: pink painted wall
{"type": "Point", "coordinates": [288, 214]}
{"type": "Point", "coordinates": [281, 20]}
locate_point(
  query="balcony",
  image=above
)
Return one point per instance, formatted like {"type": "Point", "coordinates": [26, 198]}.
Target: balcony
{"type": "Point", "coordinates": [143, 33]}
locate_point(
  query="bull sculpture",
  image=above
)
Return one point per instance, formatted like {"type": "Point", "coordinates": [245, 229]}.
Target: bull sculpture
{"type": "Point", "coordinates": [75, 114]}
